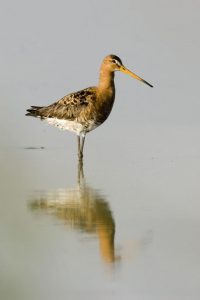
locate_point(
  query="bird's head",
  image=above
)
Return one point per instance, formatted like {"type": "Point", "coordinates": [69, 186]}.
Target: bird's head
{"type": "Point", "coordinates": [114, 63]}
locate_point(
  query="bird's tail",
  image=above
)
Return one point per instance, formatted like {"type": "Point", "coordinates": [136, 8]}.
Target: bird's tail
{"type": "Point", "coordinates": [34, 111]}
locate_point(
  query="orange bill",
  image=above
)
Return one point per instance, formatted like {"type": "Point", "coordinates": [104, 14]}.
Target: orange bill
{"type": "Point", "coordinates": [126, 71]}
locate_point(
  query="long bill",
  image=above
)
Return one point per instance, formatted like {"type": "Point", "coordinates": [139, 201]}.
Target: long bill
{"type": "Point", "coordinates": [126, 71]}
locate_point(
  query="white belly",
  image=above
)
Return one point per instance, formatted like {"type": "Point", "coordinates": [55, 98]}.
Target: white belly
{"type": "Point", "coordinates": [71, 125]}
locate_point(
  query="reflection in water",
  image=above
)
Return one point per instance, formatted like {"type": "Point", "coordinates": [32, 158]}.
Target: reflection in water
{"type": "Point", "coordinates": [83, 208]}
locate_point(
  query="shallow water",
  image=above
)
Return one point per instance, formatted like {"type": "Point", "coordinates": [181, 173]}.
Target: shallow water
{"type": "Point", "coordinates": [127, 228]}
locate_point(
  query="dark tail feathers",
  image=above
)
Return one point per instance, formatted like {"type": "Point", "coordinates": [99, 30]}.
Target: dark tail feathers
{"type": "Point", "coordinates": [34, 111]}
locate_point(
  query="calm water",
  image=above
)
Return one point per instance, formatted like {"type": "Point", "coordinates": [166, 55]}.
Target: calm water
{"type": "Point", "coordinates": [128, 228]}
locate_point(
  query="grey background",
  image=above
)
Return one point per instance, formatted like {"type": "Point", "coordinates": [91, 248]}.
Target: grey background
{"type": "Point", "coordinates": [49, 49]}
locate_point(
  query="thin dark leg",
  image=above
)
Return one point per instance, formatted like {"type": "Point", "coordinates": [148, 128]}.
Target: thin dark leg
{"type": "Point", "coordinates": [82, 145]}
{"type": "Point", "coordinates": [79, 144]}
{"type": "Point", "coordinates": [80, 172]}
{"type": "Point", "coordinates": [81, 140]}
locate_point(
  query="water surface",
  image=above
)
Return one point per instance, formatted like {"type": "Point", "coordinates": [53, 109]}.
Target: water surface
{"type": "Point", "coordinates": [127, 227]}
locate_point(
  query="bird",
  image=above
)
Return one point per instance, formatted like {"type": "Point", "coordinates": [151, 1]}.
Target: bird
{"type": "Point", "coordinates": [83, 111]}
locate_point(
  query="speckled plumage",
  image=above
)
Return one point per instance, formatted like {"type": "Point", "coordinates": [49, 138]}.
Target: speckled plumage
{"type": "Point", "coordinates": [83, 111]}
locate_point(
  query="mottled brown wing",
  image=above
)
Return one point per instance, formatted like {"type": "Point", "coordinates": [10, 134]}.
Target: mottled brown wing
{"type": "Point", "coordinates": [69, 107]}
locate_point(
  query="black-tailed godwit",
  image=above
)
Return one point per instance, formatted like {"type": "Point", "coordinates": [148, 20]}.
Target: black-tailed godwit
{"type": "Point", "coordinates": [83, 111]}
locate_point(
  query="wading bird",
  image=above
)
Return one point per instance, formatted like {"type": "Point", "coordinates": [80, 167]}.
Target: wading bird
{"type": "Point", "coordinates": [83, 111]}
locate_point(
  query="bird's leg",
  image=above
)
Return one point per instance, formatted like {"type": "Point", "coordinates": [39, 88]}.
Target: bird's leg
{"type": "Point", "coordinates": [79, 147]}
{"type": "Point", "coordinates": [80, 172]}
{"type": "Point", "coordinates": [81, 140]}
{"type": "Point", "coordinates": [82, 145]}
{"type": "Point", "coordinates": [79, 144]}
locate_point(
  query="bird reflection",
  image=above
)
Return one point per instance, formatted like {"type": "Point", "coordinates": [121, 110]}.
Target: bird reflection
{"type": "Point", "coordinates": [82, 208]}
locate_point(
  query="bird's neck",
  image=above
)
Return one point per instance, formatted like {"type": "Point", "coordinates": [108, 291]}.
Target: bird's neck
{"type": "Point", "coordinates": [106, 81]}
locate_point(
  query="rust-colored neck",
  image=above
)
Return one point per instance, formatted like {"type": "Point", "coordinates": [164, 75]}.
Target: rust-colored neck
{"type": "Point", "coordinates": [105, 93]}
{"type": "Point", "coordinates": [106, 80]}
